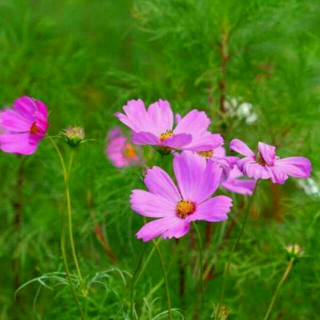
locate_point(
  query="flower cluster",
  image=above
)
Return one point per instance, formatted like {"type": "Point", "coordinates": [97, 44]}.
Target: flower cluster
{"type": "Point", "coordinates": [200, 166]}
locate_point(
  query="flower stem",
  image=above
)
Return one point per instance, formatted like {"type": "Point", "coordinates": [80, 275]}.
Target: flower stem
{"type": "Point", "coordinates": [165, 278]}
{"type": "Point", "coordinates": [63, 250]}
{"type": "Point", "coordinates": [227, 268]}
{"type": "Point", "coordinates": [201, 262]}
{"type": "Point", "coordinates": [284, 277]}
{"type": "Point", "coordinates": [133, 282]}
{"type": "Point", "coordinates": [66, 175]}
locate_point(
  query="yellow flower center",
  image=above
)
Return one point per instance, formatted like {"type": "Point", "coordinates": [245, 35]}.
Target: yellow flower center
{"type": "Point", "coordinates": [185, 208]}
{"type": "Point", "coordinates": [129, 152]}
{"type": "Point", "coordinates": [34, 129]}
{"type": "Point", "coordinates": [164, 136]}
{"type": "Point", "coordinates": [206, 154]}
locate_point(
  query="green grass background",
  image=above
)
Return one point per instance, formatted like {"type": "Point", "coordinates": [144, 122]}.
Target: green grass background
{"type": "Point", "coordinates": [85, 59]}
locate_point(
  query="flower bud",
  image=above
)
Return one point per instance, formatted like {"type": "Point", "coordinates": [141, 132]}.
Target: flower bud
{"type": "Point", "coordinates": [294, 251]}
{"type": "Point", "coordinates": [73, 136]}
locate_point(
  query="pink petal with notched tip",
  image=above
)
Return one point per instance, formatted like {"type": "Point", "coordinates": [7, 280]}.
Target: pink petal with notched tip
{"type": "Point", "coordinates": [160, 183]}
{"type": "Point", "coordinates": [157, 227]}
{"type": "Point", "coordinates": [298, 167]}
{"type": "Point", "coordinates": [12, 121]}
{"type": "Point", "coordinates": [161, 115]}
{"type": "Point", "coordinates": [17, 143]}
{"type": "Point", "coordinates": [240, 147]}
{"type": "Point", "coordinates": [151, 205]}
{"type": "Point", "coordinates": [204, 142]}
{"type": "Point", "coordinates": [145, 138]}
{"type": "Point", "coordinates": [212, 210]}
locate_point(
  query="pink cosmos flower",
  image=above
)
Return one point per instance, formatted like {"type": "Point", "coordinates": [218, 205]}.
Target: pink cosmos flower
{"type": "Point", "coordinates": [218, 156]}
{"type": "Point", "coordinates": [176, 207]}
{"type": "Point", "coordinates": [119, 151]}
{"type": "Point", "coordinates": [266, 165]}
{"type": "Point", "coordinates": [234, 183]}
{"type": "Point", "coordinates": [155, 127]}
{"type": "Point", "coordinates": [22, 127]}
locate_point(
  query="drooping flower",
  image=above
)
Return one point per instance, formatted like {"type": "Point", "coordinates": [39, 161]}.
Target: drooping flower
{"type": "Point", "coordinates": [176, 207]}
{"type": "Point", "coordinates": [218, 156]}
{"type": "Point", "coordinates": [266, 165]}
{"type": "Point", "coordinates": [119, 150]}
{"type": "Point", "coordinates": [155, 127]}
{"type": "Point", "coordinates": [22, 127]}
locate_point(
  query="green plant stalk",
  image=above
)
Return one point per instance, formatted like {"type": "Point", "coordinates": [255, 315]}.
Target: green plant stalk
{"type": "Point", "coordinates": [165, 278]}
{"type": "Point", "coordinates": [201, 263]}
{"type": "Point", "coordinates": [283, 279]}
{"type": "Point", "coordinates": [227, 268]}
{"type": "Point", "coordinates": [66, 174]}
{"type": "Point", "coordinates": [133, 282]}
{"type": "Point", "coordinates": [63, 250]}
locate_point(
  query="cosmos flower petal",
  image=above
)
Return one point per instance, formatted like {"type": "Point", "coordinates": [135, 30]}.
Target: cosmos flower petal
{"type": "Point", "coordinates": [298, 167]}
{"type": "Point", "coordinates": [195, 122]}
{"type": "Point", "coordinates": [25, 106]}
{"type": "Point", "coordinates": [160, 183]}
{"type": "Point", "coordinates": [188, 169]}
{"type": "Point", "coordinates": [252, 169]}
{"type": "Point", "coordinates": [177, 230]}
{"type": "Point", "coordinates": [11, 120]}
{"type": "Point", "coordinates": [155, 228]}
{"type": "Point", "coordinates": [151, 205]}
{"type": "Point", "coordinates": [161, 115]}
{"type": "Point", "coordinates": [17, 143]}
{"type": "Point", "coordinates": [205, 142]}
{"type": "Point", "coordinates": [212, 210]}
{"type": "Point", "coordinates": [178, 141]}
{"type": "Point", "coordinates": [145, 138]}
{"type": "Point", "coordinates": [267, 152]}
{"type": "Point", "coordinates": [277, 175]}
{"type": "Point", "coordinates": [240, 147]}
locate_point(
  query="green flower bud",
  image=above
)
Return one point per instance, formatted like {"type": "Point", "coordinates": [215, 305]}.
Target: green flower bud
{"type": "Point", "coordinates": [73, 136]}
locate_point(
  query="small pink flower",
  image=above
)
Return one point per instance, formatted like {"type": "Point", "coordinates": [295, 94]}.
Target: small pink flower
{"type": "Point", "coordinates": [155, 127]}
{"type": "Point", "coordinates": [119, 151]}
{"type": "Point", "coordinates": [234, 183]}
{"type": "Point", "coordinates": [175, 207]}
{"type": "Point", "coordinates": [22, 127]}
{"type": "Point", "coordinates": [266, 165]}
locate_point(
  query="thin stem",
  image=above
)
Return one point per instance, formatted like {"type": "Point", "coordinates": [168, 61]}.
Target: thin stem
{"type": "Point", "coordinates": [66, 175]}
{"type": "Point", "coordinates": [134, 281]}
{"type": "Point", "coordinates": [63, 250]}
{"type": "Point", "coordinates": [165, 278]}
{"type": "Point", "coordinates": [283, 279]}
{"type": "Point", "coordinates": [201, 262]}
{"type": "Point", "coordinates": [227, 268]}
{"type": "Point", "coordinates": [70, 219]}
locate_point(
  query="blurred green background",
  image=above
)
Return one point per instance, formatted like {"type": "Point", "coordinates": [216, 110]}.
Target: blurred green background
{"type": "Point", "coordinates": [232, 59]}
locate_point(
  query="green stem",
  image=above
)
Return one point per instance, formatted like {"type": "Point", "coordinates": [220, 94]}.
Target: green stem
{"type": "Point", "coordinates": [227, 268]}
{"type": "Point", "coordinates": [66, 175]}
{"type": "Point", "coordinates": [284, 277]}
{"type": "Point", "coordinates": [134, 280]}
{"type": "Point", "coordinates": [63, 250]}
{"type": "Point", "coordinates": [165, 278]}
{"type": "Point", "coordinates": [201, 263]}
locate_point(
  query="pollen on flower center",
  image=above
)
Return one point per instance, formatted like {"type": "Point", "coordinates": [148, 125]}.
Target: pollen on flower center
{"type": "Point", "coordinates": [164, 136]}
{"type": "Point", "coordinates": [129, 152]}
{"type": "Point", "coordinates": [185, 208]}
{"type": "Point", "coordinates": [34, 129]}
{"type": "Point", "coordinates": [206, 154]}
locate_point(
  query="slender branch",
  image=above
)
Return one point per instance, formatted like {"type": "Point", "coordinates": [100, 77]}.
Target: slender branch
{"type": "Point", "coordinates": [283, 279]}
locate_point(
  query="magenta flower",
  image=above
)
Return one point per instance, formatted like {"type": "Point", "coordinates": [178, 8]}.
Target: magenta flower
{"type": "Point", "coordinates": [175, 207]}
{"type": "Point", "coordinates": [266, 165]}
{"type": "Point", "coordinates": [22, 127]}
{"type": "Point", "coordinates": [119, 151]}
{"type": "Point", "coordinates": [155, 127]}
{"type": "Point", "coordinates": [234, 183]}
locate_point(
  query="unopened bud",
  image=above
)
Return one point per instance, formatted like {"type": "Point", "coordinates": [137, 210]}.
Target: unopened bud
{"type": "Point", "coordinates": [73, 136]}
{"type": "Point", "coordinates": [294, 251]}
